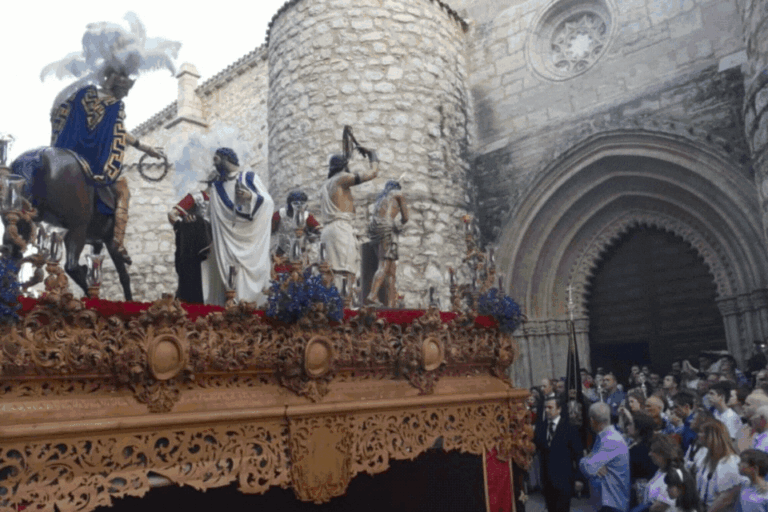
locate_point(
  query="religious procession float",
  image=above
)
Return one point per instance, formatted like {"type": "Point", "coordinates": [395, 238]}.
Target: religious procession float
{"type": "Point", "coordinates": [283, 375]}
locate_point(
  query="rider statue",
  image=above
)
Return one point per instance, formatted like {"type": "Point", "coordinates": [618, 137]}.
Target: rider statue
{"type": "Point", "coordinates": [383, 230]}
{"type": "Point", "coordinates": [90, 123]}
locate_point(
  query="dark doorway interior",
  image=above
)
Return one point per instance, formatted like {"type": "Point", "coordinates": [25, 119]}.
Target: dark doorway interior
{"type": "Point", "coordinates": [651, 301]}
{"type": "Point", "coordinates": [436, 481]}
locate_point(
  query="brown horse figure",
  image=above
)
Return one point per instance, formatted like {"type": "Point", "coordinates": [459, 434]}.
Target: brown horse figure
{"type": "Point", "coordinates": [63, 196]}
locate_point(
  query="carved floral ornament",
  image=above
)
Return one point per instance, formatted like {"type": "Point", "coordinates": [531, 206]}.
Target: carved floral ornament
{"type": "Point", "coordinates": [162, 347]}
{"type": "Point", "coordinates": [61, 352]}
{"type": "Point", "coordinates": [570, 37]}
{"type": "Point", "coordinates": [317, 456]}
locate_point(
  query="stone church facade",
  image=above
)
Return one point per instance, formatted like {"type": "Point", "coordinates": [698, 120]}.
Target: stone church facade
{"type": "Point", "coordinates": [563, 126]}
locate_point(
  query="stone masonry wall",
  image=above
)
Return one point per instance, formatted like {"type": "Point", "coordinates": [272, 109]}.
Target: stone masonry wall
{"type": "Point", "coordinates": [395, 71]}
{"type": "Point", "coordinates": [661, 63]}
{"type": "Point", "coordinates": [235, 97]}
{"type": "Point", "coordinates": [702, 107]}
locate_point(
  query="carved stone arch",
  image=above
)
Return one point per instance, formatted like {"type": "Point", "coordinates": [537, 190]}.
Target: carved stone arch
{"type": "Point", "coordinates": [594, 252]}
{"type": "Point", "coordinates": [595, 191]}
{"type": "Point", "coordinates": [663, 174]}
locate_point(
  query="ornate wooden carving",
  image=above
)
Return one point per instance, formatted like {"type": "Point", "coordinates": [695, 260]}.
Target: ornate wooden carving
{"type": "Point", "coordinates": [318, 455]}
{"type": "Point", "coordinates": [161, 348]}
{"type": "Point", "coordinates": [92, 405]}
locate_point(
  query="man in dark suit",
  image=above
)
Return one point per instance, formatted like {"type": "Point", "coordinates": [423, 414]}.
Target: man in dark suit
{"type": "Point", "coordinates": [559, 447]}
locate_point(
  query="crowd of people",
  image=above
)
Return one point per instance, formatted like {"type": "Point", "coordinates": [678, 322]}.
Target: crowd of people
{"type": "Point", "coordinates": [693, 438]}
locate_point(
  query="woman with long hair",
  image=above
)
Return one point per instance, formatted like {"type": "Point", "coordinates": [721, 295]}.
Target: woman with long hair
{"type": "Point", "coordinates": [635, 400]}
{"type": "Point", "coordinates": [717, 476]}
{"type": "Point", "coordinates": [667, 456]}
{"type": "Point", "coordinates": [641, 466]}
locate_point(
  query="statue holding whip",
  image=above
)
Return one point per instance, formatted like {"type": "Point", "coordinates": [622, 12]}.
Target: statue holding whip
{"type": "Point", "coordinates": [338, 209]}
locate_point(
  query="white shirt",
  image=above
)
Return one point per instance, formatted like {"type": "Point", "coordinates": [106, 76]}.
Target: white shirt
{"type": "Point", "coordinates": [657, 491]}
{"type": "Point", "coordinates": [731, 421]}
{"type": "Point", "coordinates": [554, 426]}
{"type": "Point", "coordinates": [760, 442]}
{"type": "Point", "coordinates": [724, 477]}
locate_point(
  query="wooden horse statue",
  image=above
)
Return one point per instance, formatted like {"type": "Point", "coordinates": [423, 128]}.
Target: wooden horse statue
{"type": "Point", "coordinates": [63, 196]}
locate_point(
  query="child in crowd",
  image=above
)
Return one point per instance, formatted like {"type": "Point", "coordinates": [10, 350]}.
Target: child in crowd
{"type": "Point", "coordinates": [681, 487]}
{"type": "Point", "coordinates": [754, 494]}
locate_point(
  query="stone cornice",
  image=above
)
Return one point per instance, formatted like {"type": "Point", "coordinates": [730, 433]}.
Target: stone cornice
{"type": "Point", "coordinates": [240, 66]}
{"type": "Point", "coordinates": [220, 79]}
{"type": "Point", "coordinates": [156, 121]}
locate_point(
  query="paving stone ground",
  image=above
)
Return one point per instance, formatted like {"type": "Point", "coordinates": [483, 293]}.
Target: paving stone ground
{"type": "Point", "coordinates": [535, 503]}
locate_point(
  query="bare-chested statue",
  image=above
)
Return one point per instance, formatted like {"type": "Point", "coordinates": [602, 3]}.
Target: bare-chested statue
{"type": "Point", "coordinates": [383, 230]}
{"type": "Point", "coordinates": [338, 211]}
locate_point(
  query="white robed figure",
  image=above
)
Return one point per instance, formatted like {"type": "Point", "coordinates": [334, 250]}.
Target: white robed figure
{"type": "Point", "coordinates": [239, 209]}
{"type": "Point", "coordinates": [342, 248]}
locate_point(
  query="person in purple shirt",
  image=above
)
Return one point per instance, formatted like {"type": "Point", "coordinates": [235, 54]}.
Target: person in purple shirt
{"type": "Point", "coordinates": [607, 466]}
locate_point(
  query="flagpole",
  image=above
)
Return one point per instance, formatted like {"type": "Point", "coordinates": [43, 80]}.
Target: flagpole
{"type": "Point", "coordinates": [575, 367]}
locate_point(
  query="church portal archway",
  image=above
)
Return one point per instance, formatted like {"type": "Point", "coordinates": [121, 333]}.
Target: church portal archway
{"type": "Point", "coordinates": [651, 300]}
{"type": "Point", "coordinates": [583, 203]}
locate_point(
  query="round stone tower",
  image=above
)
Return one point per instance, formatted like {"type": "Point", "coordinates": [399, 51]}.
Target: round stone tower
{"type": "Point", "coordinates": [396, 72]}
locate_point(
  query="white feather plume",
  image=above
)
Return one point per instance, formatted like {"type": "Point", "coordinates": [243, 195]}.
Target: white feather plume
{"type": "Point", "coordinates": [193, 156]}
{"type": "Point", "coordinates": [109, 45]}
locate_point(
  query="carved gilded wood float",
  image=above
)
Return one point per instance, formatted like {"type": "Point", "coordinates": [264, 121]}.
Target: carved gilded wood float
{"type": "Point", "coordinates": [98, 398]}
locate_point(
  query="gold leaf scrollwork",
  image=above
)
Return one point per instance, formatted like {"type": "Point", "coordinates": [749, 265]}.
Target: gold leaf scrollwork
{"type": "Point", "coordinates": [306, 367]}
{"type": "Point", "coordinates": [316, 455]}
{"type": "Point", "coordinates": [61, 338]}
{"type": "Point", "coordinates": [320, 450]}
{"type": "Point", "coordinates": [159, 396]}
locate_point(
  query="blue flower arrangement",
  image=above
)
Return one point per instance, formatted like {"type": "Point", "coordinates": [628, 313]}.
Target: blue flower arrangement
{"type": "Point", "coordinates": [501, 307]}
{"type": "Point", "coordinates": [289, 301]}
{"type": "Point", "coordinates": [9, 291]}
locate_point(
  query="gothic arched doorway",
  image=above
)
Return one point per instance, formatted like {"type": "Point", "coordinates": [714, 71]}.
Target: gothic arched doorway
{"type": "Point", "coordinates": [651, 300]}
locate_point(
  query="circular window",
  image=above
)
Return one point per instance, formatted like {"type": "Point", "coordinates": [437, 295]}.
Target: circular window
{"type": "Point", "coordinates": [570, 37]}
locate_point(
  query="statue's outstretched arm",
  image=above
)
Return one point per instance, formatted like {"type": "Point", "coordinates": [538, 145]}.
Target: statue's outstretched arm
{"type": "Point", "coordinates": [133, 141]}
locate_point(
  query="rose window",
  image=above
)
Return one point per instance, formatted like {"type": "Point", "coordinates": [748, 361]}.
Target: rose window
{"type": "Point", "coordinates": [570, 37]}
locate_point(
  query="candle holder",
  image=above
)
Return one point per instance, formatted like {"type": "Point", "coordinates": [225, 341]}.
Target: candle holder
{"type": "Point", "coordinates": [231, 292]}
{"type": "Point", "coordinates": [57, 282]}
{"type": "Point", "coordinates": [94, 263]}
{"type": "Point", "coordinates": [479, 271]}
{"type": "Point", "coordinates": [16, 209]}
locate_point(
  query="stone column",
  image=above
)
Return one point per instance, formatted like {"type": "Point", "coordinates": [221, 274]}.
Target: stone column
{"type": "Point", "coordinates": [544, 350]}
